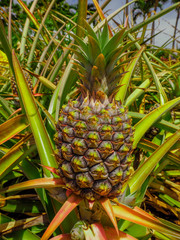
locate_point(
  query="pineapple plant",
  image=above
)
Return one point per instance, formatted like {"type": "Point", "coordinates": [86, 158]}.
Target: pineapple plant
{"type": "Point", "coordinates": [82, 182]}
{"type": "Point", "coordinates": [94, 134]}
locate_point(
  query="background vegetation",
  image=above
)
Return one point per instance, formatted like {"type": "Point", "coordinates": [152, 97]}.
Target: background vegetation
{"type": "Point", "coordinates": [37, 77]}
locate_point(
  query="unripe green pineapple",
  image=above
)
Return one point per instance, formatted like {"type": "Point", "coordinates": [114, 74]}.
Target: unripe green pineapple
{"type": "Point", "coordinates": [94, 135]}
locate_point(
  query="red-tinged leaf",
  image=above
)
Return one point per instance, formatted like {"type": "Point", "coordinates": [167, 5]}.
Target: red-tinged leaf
{"type": "Point", "coordinates": [30, 15]}
{"type": "Point", "coordinates": [124, 212]}
{"type": "Point", "coordinates": [35, 183]}
{"type": "Point", "coordinates": [89, 235]}
{"type": "Point", "coordinates": [12, 127]}
{"type": "Point", "coordinates": [137, 209]}
{"type": "Point", "coordinates": [65, 236]}
{"type": "Point", "coordinates": [126, 22]}
{"type": "Point", "coordinates": [105, 202]}
{"type": "Point", "coordinates": [101, 14]}
{"type": "Point", "coordinates": [99, 232]}
{"type": "Point", "coordinates": [67, 207]}
{"type": "Point", "coordinates": [112, 234]}
{"type": "Point", "coordinates": [51, 169]}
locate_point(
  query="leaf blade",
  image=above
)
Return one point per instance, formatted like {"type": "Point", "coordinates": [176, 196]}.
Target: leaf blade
{"type": "Point", "coordinates": [67, 207]}
{"type": "Point", "coordinates": [143, 125]}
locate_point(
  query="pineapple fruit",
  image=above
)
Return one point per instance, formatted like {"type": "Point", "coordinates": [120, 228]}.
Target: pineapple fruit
{"type": "Point", "coordinates": [94, 134]}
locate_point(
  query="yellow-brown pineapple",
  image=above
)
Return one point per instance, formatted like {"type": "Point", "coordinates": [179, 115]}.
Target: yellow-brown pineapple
{"type": "Point", "coordinates": [94, 135]}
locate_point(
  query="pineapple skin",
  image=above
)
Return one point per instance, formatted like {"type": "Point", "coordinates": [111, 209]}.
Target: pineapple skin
{"type": "Point", "coordinates": [94, 145]}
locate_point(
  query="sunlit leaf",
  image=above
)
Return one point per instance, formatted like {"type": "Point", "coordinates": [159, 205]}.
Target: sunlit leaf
{"type": "Point", "coordinates": [65, 236]}
{"type": "Point", "coordinates": [136, 93]}
{"type": "Point", "coordinates": [98, 231]}
{"type": "Point", "coordinates": [67, 207]}
{"type": "Point", "coordinates": [14, 156]}
{"type": "Point", "coordinates": [144, 124]}
{"type": "Point", "coordinates": [35, 183]}
{"type": "Point", "coordinates": [140, 175]}
{"type": "Point", "coordinates": [124, 212]}
{"type": "Point", "coordinates": [10, 227]}
{"type": "Point", "coordinates": [30, 15]}
{"type": "Point", "coordinates": [151, 147]}
{"type": "Point", "coordinates": [108, 208]}
{"type": "Point", "coordinates": [26, 234]}
{"type": "Point", "coordinates": [112, 234]}
{"type": "Point", "coordinates": [101, 14]}
{"type": "Point", "coordinates": [121, 94]}
{"type": "Point", "coordinates": [42, 140]}
{"type": "Point", "coordinates": [12, 127]}
{"type": "Point", "coordinates": [47, 83]}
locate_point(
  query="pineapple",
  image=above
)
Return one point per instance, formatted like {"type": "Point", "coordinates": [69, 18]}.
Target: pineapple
{"type": "Point", "coordinates": [94, 134]}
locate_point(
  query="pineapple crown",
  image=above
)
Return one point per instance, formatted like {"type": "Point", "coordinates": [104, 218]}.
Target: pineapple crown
{"type": "Point", "coordinates": [97, 56]}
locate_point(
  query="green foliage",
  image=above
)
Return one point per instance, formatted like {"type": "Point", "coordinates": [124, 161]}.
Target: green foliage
{"type": "Point", "coordinates": [27, 118]}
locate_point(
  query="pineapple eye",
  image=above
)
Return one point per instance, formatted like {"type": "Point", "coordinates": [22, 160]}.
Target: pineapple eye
{"type": "Point", "coordinates": [74, 114]}
{"type": "Point", "coordinates": [116, 175]}
{"type": "Point", "coordinates": [80, 125]}
{"type": "Point", "coordinates": [105, 149]}
{"type": "Point", "coordinates": [84, 180]}
{"type": "Point", "coordinates": [79, 164]}
{"type": "Point", "coordinates": [102, 187]}
{"type": "Point", "coordinates": [79, 146]}
{"type": "Point", "coordinates": [67, 170]}
{"type": "Point", "coordinates": [93, 119]}
{"type": "Point", "coordinates": [92, 139]}
{"type": "Point", "coordinates": [99, 171]}
{"type": "Point", "coordinates": [92, 157]}
{"type": "Point", "coordinates": [116, 120]}
{"type": "Point", "coordinates": [112, 161]}
{"type": "Point", "coordinates": [66, 151]}
{"type": "Point", "coordinates": [124, 149]}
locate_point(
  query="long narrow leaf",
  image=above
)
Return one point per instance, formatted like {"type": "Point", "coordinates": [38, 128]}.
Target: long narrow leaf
{"type": "Point", "coordinates": [14, 156]}
{"type": "Point", "coordinates": [12, 127]}
{"type": "Point", "coordinates": [168, 126]}
{"type": "Point", "coordinates": [21, 234]}
{"type": "Point", "coordinates": [67, 207]}
{"type": "Point", "coordinates": [162, 94]}
{"type": "Point", "coordinates": [25, 31]}
{"type": "Point", "coordinates": [120, 96]}
{"type": "Point", "coordinates": [151, 147]}
{"type": "Point", "coordinates": [108, 208]}
{"type": "Point", "coordinates": [101, 14]}
{"type": "Point", "coordinates": [136, 93]}
{"type": "Point", "coordinates": [146, 168]}
{"type": "Point", "coordinates": [11, 226]}
{"type": "Point", "coordinates": [154, 17]}
{"type": "Point", "coordinates": [66, 236]}
{"type": "Point", "coordinates": [143, 125]}
{"type": "Point", "coordinates": [124, 212]}
{"type": "Point", "coordinates": [98, 231]}
{"type": "Point", "coordinates": [38, 129]}
{"type": "Point", "coordinates": [35, 183]}
{"type": "Point", "coordinates": [30, 15]}
{"type": "Point", "coordinates": [112, 234]}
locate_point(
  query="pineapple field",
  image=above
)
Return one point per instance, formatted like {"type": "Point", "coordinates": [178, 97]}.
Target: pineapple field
{"type": "Point", "coordinates": [89, 123]}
